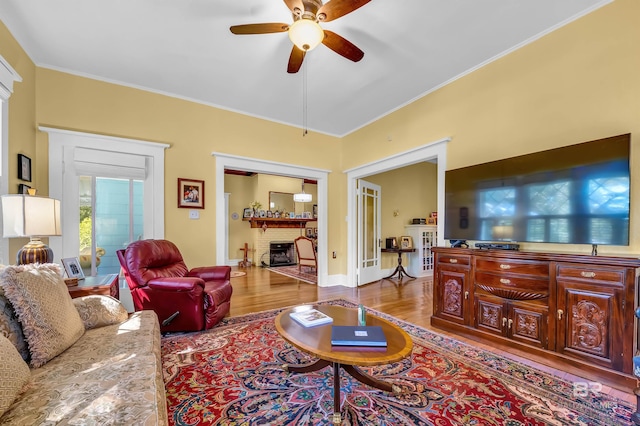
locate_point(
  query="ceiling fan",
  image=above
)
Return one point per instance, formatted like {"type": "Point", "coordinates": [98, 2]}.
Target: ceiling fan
{"type": "Point", "coordinates": [306, 33]}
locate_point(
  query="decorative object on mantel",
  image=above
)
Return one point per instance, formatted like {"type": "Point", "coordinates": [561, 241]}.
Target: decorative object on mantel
{"type": "Point", "coordinates": [190, 193]}
{"type": "Point", "coordinates": [273, 222]}
{"type": "Point", "coordinates": [255, 206]}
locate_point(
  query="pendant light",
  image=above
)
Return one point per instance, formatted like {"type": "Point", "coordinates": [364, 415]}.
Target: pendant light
{"type": "Point", "coordinates": [302, 197]}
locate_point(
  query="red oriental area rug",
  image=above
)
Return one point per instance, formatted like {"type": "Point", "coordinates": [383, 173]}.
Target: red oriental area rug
{"type": "Point", "coordinates": [306, 273]}
{"type": "Point", "coordinates": [232, 375]}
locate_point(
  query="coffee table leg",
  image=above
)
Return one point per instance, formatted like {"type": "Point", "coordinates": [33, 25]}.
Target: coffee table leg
{"type": "Point", "coordinates": [336, 394]}
{"type": "Point", "coordinates": [363, 377]}
{"type": "Point", "coordinates": [306, 368]}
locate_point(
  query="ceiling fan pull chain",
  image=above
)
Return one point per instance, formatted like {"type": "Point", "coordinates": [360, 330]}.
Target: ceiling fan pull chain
{"type": "Point", "coordinates": [304, 98]}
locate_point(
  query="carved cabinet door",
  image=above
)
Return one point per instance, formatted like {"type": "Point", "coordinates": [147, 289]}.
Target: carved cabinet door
{"type": "Point", "coordinates": [520, 321]}
{"type": "Point", "coordinates": [529, 323]}
{"type": "Point", "coordinates": [590, 322]}
{"type": "Point", "coordinates": [452, 296]}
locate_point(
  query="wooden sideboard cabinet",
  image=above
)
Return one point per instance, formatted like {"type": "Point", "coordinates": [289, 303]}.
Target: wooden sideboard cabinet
{"type": "Point", "coordinates": [575, 311]}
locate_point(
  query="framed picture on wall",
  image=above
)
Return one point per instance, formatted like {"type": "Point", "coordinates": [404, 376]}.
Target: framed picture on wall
{"type": "Point", "coordinates": [190, 193]}
{"type": "Point", "coordinates": [24, 168]}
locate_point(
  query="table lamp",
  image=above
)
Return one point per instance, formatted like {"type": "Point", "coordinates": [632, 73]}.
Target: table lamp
{"type": "Point", "coordinates": [33, 217]}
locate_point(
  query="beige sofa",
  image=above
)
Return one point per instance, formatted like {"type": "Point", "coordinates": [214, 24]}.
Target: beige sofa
{"type": "Point", "coordinates": [110, 374]}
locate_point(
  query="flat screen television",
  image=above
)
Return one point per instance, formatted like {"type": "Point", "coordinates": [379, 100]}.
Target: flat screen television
{"type": "Point", "coordinates": [577, 194]}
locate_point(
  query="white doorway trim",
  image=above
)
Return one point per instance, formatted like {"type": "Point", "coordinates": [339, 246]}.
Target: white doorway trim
{"type": "Point", "coordinates": [436, 150]}
{"type": "Point", "coordinates": [273, 168]}
{"type": "Point", "coordinates": [63, 180]}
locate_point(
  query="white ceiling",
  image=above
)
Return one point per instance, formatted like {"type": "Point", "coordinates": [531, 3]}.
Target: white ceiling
{"type": "Point", "coordinates": [184, 48]}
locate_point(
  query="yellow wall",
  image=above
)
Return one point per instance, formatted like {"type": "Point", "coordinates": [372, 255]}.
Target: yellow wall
{"type": "Point", "coordinates": [194, 131]}
{"type": "Point", "coordinates": [22, 132]}
{"type": "Point", "coordinates": [576, 84]}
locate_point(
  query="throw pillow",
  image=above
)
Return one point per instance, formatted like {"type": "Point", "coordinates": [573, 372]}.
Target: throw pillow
{"type": "Point", "coordinates": [14, 374]}
{"type": "Point", "coordinates": [98, 311]}
{"type": "Point", "coordinates": [50, 321]}
{"type": "Point", "coordinates": [10, 326]}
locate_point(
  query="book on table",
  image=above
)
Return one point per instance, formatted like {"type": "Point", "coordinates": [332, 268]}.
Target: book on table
{"type": "Point", "coordinates": [311, 317]}
{"type": "Point", "coordinates": [358, 335]}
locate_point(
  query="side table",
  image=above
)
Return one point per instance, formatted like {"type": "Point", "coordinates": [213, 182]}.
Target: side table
{"type": "Point", "coordinates": [107, 285]}
{"type": "Point", "coordinates": [399, 269]}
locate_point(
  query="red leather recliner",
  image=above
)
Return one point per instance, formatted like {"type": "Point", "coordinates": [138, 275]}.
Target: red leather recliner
{"type": "Point", "coordinates": [183, 299]}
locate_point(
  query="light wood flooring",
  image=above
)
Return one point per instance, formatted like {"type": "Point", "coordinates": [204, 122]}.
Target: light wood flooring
{"type": "Point", "coordinates": [407, 299]}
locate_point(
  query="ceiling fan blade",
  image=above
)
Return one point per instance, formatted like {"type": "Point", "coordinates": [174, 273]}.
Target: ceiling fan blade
{"type": "Point", "coordinates": [295, 60]}
{"type": "Point", "coordinates": [337, 8]}
{"type": "Point", "coordinates": [292, 4]}
{"type": "Point", "coordinates": [342, 46]}
{"type": "Point", "coordinates": [259, 28]}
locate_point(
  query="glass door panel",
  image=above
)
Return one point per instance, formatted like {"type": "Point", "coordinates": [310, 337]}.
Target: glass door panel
{"type": "Point", "coordinates": [111, 216]}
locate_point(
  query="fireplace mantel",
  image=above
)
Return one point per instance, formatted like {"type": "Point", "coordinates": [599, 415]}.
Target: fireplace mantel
{"type": "Point", "coordinates": [272, 222]}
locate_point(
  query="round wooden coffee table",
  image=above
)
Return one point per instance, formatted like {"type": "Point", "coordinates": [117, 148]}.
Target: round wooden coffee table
{"type": "Point", "coordinates": [316, 341]}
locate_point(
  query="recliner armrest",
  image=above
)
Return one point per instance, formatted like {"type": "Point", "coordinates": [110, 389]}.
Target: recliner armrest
{"type": "Point", "coordinates": [211, 273]}
{"type": "Point", "coordinates": [176, 283]}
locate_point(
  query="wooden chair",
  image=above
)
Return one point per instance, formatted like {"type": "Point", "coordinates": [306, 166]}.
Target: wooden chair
{"type": "Point", "coordinates": [306, 253]}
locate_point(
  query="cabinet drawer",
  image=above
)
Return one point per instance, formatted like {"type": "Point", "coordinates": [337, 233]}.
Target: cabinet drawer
{"type": "Point", "coordinates": [513, 287]}
{"type": "Point", "coordinates": [586, 272]}
{"type": "Point", "coordinates": [512, 266]}
{"type": "Point", "coordinates": [454, 259]}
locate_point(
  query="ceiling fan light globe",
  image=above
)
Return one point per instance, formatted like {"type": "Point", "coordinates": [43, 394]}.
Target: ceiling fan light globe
{"type": "Point", "coordinates": [306, 34]}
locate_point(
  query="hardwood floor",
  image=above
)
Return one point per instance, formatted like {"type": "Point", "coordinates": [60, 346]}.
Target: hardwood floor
{"type": "Point", "coordinates": [410, 300]}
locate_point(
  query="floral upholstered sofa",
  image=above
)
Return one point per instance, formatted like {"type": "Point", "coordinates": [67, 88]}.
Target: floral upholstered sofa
{"type": "Point", "coordinates": [89, 361]}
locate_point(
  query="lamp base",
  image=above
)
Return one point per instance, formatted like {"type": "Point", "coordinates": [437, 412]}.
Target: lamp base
{"type": "Point", "coordinates": [35, 251]}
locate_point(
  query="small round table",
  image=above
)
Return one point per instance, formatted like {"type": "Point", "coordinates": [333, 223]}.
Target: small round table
{"type": "Point", "coordinates": [316, 341]}
{"type": "Point", "coordinates": [399, 269]}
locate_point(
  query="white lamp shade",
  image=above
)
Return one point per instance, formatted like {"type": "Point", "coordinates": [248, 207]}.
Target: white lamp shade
{"type": "Point", "coordinates": [27, 216]}
{"type": "Point", "coordinates": [306, 34]}
{"type": "Point", "coordinates": [302, 197]}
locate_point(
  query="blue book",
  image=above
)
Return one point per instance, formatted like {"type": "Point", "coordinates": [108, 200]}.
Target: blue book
{"type": "Point", "coordinates": [358, 335]}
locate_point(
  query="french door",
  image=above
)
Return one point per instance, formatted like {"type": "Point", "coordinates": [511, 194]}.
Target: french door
{"type": "Point", "coordinates": [369, 241]}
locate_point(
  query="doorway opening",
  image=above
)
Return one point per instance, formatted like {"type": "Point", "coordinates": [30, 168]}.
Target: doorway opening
{"type": "Point", "coordinates": [435, 151]}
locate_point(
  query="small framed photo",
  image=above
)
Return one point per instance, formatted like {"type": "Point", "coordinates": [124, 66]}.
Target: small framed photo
{"type": "Point", "coordinates": [406, 243]}
{"type": "Point", "coordinates": [315, 211]}
{"type": "Point", "coordinates": [269, 213]}
{"type": "Point", "coordinates": [309, 232]}
{"type": "Point", "coordinates": [24, 168]}
{"type": "Point", "coordinates": [72, 267]}
{"type": "Point", "coordinates": [246, 213]}
{"type": "Point", "coordinates": [23, 189]}
{"type": "Point", "coordinates": [190, 193]}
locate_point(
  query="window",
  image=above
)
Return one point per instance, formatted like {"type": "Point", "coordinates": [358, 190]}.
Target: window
{"type": "Point", "coordinates": [110, 216]}
{"type": "Point", "coordinates": [107, 194]}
